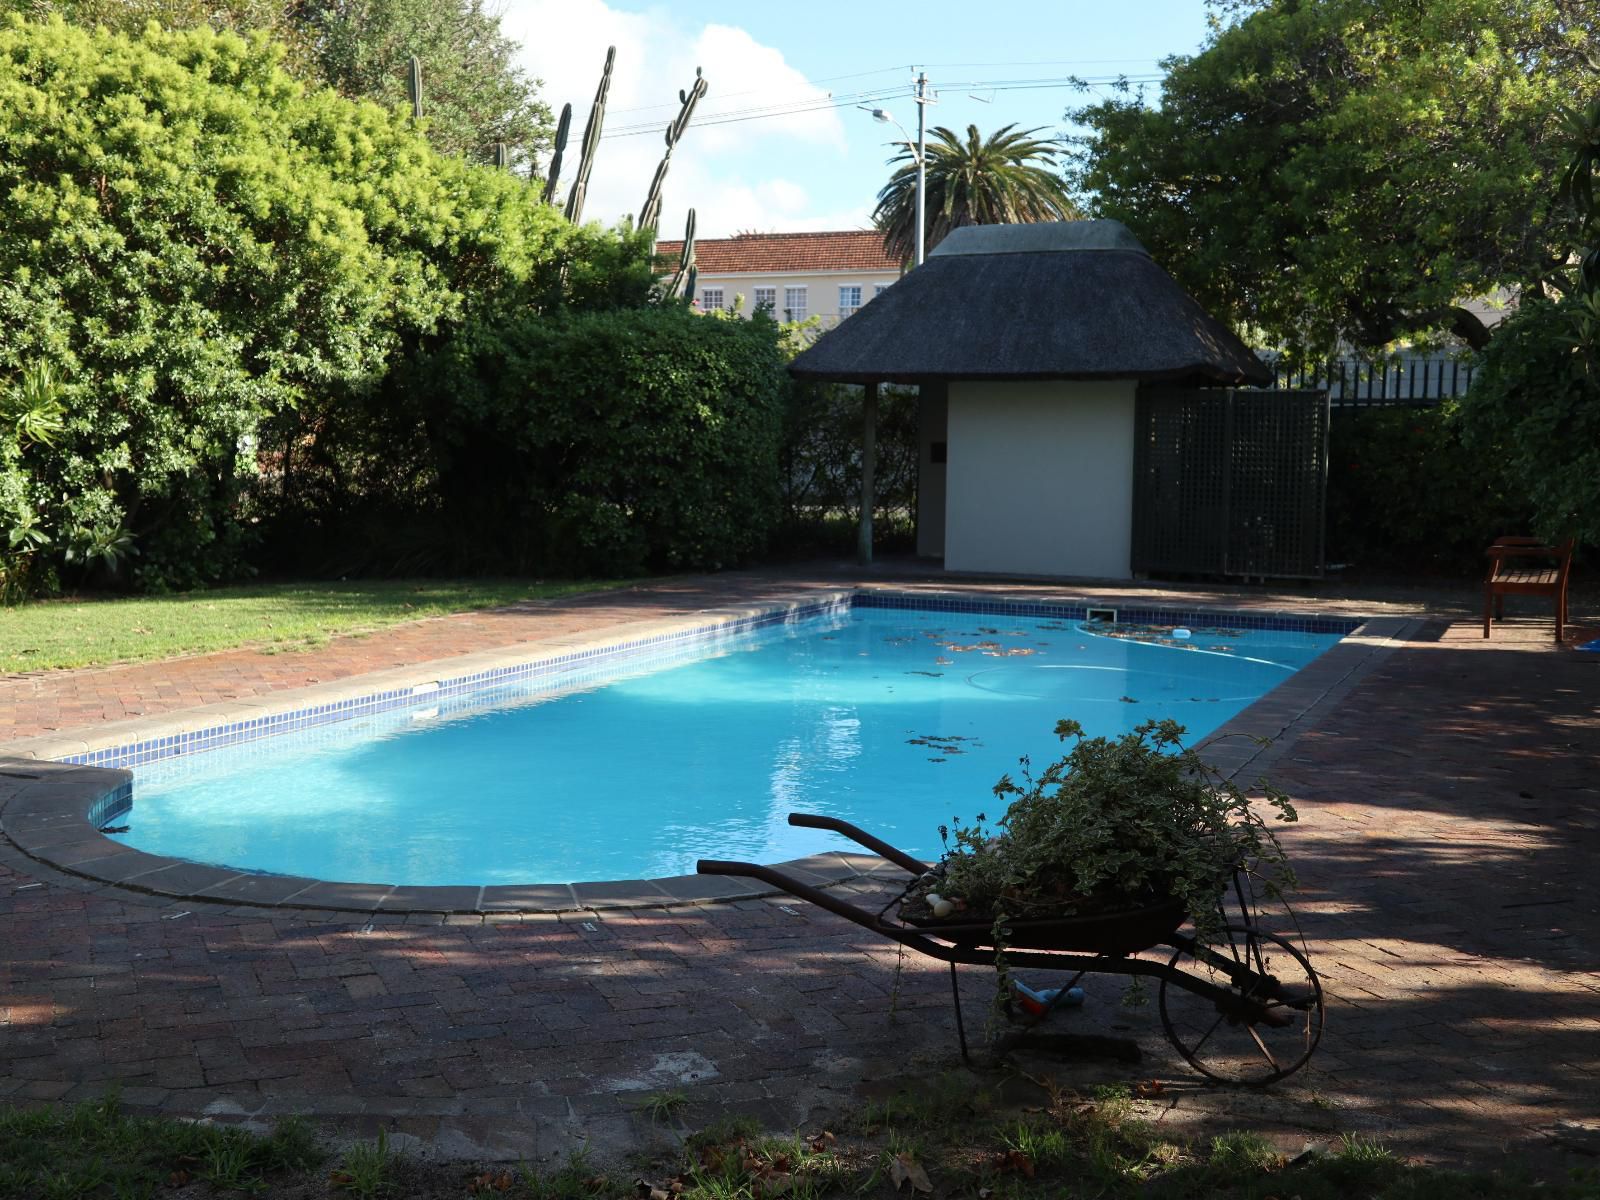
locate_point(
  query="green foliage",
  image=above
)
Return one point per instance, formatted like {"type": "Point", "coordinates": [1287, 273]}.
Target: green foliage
{"type": "Point", "coordinates": [1004, 178]}
{"type": "Point", "coordinates": [1113, 825]}
{"type": "Point", "coordinates": [1407, 492]}
{"type": "Point", "coordinates": [820, 467]}
{"type": "Point", "coordinates": [474, 94]}
{"type": "Point", "coordinates": [197, 244]}
{"type": "Point", "coordinates": [610, 441]}
{"type": "Point", "coordinates": [1537, 407]}
{"type": "Point", "coordinates": [270, 17]}
{"type": "Point", "coordinates": [1352, 169]}
{"type": "Point", "coordinates": [32, 417]}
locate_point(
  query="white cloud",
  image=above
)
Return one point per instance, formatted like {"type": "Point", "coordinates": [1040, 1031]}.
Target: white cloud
{"type": "Point", "coordinates": [731, 173]}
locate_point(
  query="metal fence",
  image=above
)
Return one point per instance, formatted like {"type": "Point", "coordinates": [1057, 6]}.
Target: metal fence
{"type": "Point", "coordinates": [1408, 380]}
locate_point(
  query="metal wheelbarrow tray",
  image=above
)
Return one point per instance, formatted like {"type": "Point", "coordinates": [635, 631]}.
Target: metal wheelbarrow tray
{"type": "Point", "coordinates": [1247, 1008]}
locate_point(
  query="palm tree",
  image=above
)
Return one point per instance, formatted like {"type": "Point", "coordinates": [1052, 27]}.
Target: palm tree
{"type": "Point", "coordinates": [1002, 180]}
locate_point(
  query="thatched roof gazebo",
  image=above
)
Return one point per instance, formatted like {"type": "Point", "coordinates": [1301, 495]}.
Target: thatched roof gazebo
{"type": "Point", "coordinates": [1029, 344]}
{"type": "Point", "coordinates": [1064, 300]}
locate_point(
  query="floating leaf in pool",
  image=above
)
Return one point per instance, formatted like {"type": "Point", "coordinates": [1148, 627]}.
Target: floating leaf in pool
{"type": "Point", "coordinates": [942, 661]}
{"type": "Point", "coordinates": [936, 760]}
{"type": "Point", "coordinates": [1127, 699]}
{"type": "Point", "coordinates": [929, 674]}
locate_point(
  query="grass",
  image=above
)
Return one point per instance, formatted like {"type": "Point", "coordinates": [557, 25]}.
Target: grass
{"type": "Point", "coordinates": [664, 1106]}
{"type": "Point", "coordinates": [1073, 1145]}
{"type": "Point", "coordinates": [94, 1150]}
{"type": "Point", "coordinates": [55, 634]}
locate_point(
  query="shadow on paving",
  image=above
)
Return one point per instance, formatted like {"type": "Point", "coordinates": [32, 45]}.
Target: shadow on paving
{"type": "Point", "coordinates": [1449, 913]}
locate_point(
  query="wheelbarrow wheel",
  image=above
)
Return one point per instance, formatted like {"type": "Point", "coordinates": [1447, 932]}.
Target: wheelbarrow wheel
{"type": "Point", "coordinates": [1268, 1020]}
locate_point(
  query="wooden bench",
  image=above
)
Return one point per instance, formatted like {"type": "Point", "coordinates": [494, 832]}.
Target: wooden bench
{"type": "Point", "coordinates": [1525, 566]}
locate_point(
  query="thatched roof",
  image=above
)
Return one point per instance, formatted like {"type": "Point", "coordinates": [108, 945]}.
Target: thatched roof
{"type": "Point", "coordinates": [1063, 300]}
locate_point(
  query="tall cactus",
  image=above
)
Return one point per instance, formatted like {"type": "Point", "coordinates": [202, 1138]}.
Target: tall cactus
{"type": "Point", "coordinates": [682, 283]}
{"type": "Point", "coordinates": [591, 141]}
{"type": "Point", "coordinates": [563, 128]}
{"type": "Point", "coordinates": [414, 86]}
{"type": "Point", "coordinates": [650, 214]}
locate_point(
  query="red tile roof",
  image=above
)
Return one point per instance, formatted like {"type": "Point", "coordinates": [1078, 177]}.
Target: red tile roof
{"type": "Point", "coordinates": [845, 250]}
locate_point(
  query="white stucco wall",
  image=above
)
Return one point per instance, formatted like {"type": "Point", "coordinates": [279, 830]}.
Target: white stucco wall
{"type": "Point", "coordinates": [1040, 478]}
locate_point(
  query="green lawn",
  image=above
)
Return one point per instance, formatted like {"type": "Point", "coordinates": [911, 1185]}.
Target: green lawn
{"type": "Point", "coordinates": [282, 616]}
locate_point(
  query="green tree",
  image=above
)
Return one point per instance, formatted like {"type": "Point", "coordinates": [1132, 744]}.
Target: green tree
{"type": "Point", "coordinates": [1352, 169]}
{"type": "Point", "coordinates": [1005, 178]}
{"type": "Point", "coordinates": [474, 94]}
{"type": "Point", "coordinates": [1537, 404]}
{"type": "Point", "coordinates": [195, 242]}
{"type": "Point", "coordinates": [275, 18]}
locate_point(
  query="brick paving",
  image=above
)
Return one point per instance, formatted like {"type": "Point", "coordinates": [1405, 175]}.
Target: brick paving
{"type": "Point", "coordinates": [1450, 826]}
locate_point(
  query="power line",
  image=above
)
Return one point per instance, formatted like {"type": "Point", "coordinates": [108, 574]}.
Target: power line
{"type": "Point", "coordinates": [767, 112]}
{"type": "Point", "coordinates": [830, 101]}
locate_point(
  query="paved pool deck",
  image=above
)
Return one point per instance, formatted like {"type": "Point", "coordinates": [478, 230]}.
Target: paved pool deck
{"type": "Point", "coordinates": [1450, 825]}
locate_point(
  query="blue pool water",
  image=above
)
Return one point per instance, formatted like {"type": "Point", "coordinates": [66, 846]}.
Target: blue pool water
{"type": "Point", "coordinates": [896, 720]}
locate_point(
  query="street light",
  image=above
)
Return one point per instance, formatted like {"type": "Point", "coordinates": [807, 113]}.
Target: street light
{"type": "Point", "coordinates": [919, 154]}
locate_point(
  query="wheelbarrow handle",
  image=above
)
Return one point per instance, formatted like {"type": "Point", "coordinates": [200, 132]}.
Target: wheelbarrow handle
{"type": "Point", "coordinates": [862, 838]}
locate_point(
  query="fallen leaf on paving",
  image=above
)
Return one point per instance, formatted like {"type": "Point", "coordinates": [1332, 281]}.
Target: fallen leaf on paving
{"type": "Point", "coordinates": [821, 1141]}
{"type": "Point", "coordinates": [1015, 1160]}
{"type": "Point", "coordinates": [1149, 1089]}
{"type": "Point", "coordinates": [903, 1168]}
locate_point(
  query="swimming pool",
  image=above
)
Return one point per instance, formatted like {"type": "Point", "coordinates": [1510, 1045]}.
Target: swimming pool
{"type": "Point", "coordinates": [897, 719]}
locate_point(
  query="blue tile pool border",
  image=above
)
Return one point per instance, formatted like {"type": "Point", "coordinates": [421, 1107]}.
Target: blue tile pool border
{"type": "Point", "coordinates": [52, 810]}
{"type": "Point", "coordinates": [272, 724]}
{"type": "Point", "coordinates": [214, 737]}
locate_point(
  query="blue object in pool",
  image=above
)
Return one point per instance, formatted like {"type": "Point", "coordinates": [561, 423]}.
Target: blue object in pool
{"type": "Point", "coordinates": [1593, 647]}
{"type": "Point", "coordinates": [898, 721]}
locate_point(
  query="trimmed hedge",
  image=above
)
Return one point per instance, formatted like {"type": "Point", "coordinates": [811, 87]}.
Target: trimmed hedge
{"type": "Point", "coordinates": [612, 442]}
{"type": "Point", "coordinates": [1406, 493]}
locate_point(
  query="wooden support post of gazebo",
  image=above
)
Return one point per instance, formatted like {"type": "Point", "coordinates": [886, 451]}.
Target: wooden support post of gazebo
{"type": "Point", "coordinates": [869, 462]}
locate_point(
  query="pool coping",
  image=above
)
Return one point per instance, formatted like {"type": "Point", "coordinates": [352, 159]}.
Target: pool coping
{"type": "Point", "coordinates": [52, 809]}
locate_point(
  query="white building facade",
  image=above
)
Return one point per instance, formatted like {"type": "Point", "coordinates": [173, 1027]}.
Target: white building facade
{"type": "Point", "coordinates": [794, 276]}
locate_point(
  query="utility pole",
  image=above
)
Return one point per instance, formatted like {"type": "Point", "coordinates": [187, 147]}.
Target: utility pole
{"type": "Point", "coordinates": [922, 164]}
{"type": "Point", "coordinates": [869, 400]}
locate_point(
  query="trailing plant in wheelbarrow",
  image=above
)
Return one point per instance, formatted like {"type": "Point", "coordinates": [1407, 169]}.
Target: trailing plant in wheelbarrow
{"type": "Point", "coordinates": [1128, 856]}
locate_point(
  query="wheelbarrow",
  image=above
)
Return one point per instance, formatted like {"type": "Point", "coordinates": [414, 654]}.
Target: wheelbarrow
{"type": "Point", "coordinates": [1244, 1007]}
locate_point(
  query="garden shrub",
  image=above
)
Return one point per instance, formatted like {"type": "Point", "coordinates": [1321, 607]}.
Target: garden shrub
{"type": "Point", "coordinates": [195, 242]}
{"type": "Point", "coordinates": [610, 442]}
{"type": "Point", "coordinates": [1536, 406]}
{"type": "Point", "coordinates": [1406, 492]}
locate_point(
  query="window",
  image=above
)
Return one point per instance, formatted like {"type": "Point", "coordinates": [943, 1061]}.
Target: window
{"type": "Point", "coordinates": [767, 298]}
{"type": "Point", "coordinates": [711, 299]}
{"type": "Point", "coordinates": [794, 303]}
{"type": "Point", "coordinates": [849, 299]}
{"type": "Point", "coordinates": [879, 289]}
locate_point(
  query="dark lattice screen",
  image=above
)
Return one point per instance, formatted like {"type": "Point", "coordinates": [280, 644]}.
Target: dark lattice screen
{"type": "Point", "coordinates": [1230, 482]}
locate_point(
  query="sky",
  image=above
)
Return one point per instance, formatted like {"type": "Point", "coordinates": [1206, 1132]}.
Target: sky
{"type": "Point", "coordinates": [777, 144]}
